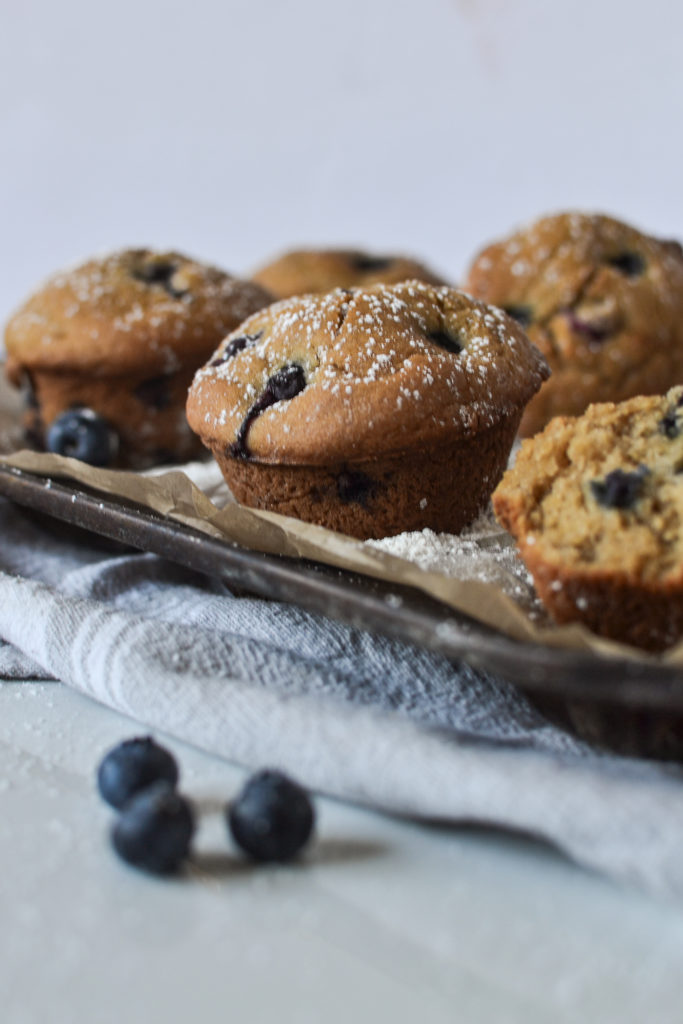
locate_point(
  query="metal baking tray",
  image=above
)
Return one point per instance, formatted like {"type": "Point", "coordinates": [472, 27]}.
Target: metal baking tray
{"type": "Point", "coordinates": [401, 612]}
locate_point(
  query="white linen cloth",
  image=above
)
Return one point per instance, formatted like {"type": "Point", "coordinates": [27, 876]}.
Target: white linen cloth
{"type": "Point", "coordinates": [361, 717]}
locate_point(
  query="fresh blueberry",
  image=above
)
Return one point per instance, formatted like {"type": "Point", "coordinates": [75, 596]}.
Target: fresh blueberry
{"type": "Point", "coordinates": [154, 830]}
{"type": "Point", "coordinates": [619, 489]}
{"type": "Point", "coordinates": [272, 818]}
{"type": "Point", "coordinates": [282, 386]}
{"type": "Point", "coordinates": [81, 434]}
{"type": "Point", "coordinates": [132, 766]}
{"type": "Point", "coordinates": [631, 264]}
{"type": "Point", "coordinates": [446, 341]}
{"type": "Point", "coordinates": [522, 314]}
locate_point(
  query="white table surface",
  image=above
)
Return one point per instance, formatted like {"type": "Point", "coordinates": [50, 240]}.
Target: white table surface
{"type": "Point", "coordinates": [383, 920]}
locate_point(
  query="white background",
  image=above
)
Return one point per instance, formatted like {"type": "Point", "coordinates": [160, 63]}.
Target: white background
{"type": "Point", "coordinates": [235, 130]}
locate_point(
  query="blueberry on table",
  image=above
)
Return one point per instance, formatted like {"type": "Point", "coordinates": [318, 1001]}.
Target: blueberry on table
{"type": "Point", "coordinates": [155, 829]}
{"type": "Point", "coordinates": [82, 434]}
{"type": "Point", "coordinates": [272, 818]}
{"type": "Point", "coordinates": [131, 767]}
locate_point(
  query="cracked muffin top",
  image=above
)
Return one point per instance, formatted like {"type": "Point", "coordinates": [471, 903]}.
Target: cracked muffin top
{"type": "Point", "coordinates": [603, 302]}
{"type": "Point", "coordinates": [134, 310]}
{"type": "Point", "coordinates": [359, 374]}
{"type": "Point", "coordinates": [313, 271]}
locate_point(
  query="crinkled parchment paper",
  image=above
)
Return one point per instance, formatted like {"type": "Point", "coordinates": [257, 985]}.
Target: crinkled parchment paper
{"type": "Point", "coordinates": [491, 584]}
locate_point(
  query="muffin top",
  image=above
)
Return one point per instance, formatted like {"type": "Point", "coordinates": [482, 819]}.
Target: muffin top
{"type": "Point", "coordinates": [603, 302]}
{"type": "Point", "coordinates": [603, 492]}
{"type": "Point", "coordinates": [134, 310]}
{"type": "Point", "coordinates": [306, 271]}
{"type": "Point", "coordinates": [357, 374]}
{"type": "Point", "coordinates": [592, 269]}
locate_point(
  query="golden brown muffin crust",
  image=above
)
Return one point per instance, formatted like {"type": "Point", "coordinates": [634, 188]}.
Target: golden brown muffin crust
{"type": "Point", "coordinates": [308, 271]}
{"type": "Point", "coordinates": [383, 370]}
{"type": "Point", "coordinates": [602, 301]}
{"type": "Point", "coordinates": [131, 311]}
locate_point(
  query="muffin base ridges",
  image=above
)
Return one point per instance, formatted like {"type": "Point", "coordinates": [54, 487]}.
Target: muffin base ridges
{"type": "Point", "coordinates": [623, 609]}
{"type": "Point", "coordinates": [442, 489]}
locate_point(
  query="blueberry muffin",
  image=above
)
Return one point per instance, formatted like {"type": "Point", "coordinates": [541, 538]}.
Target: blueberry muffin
{"type": "Point", "coordinates": [603, 303]}
{"type": "Point", "coordinates": [314, 271]}
{"type": "Point", "coordinates": [369, 411]}
{"type": "Point", "coordinates": [106, 353]}
{"type": "Point", "coordinates": [596, 506]}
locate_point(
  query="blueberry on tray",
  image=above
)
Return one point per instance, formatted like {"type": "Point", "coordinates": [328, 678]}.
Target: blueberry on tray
{"type": "Point", "coordinates": [272, 818]}
{"type": "Point", "coordinates": [132, 766]}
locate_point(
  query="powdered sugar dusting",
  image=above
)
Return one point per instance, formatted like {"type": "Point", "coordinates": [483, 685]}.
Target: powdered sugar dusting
{"type": "Point", "coordinates": [458, 363]}
{"type": "Point", "coordinates": [124, 305]}
{"type": "Point", "coordinates": [482, 552]}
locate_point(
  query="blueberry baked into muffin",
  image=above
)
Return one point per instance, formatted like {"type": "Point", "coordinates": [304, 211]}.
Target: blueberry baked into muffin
{"type": "Point", "coordinates": [106, 353]}
{"type": "Point", "coordinates": [603, 303]}
{"type": "Point", "coordinates": [596, 506]}
{"type": "Point", "coordinates": [314, 271]}
{"type": "Point", "coordinates": [369, 411]}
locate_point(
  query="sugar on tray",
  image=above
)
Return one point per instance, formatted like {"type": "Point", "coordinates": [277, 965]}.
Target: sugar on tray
{"type": "Point", "coordinates": [482, 552]}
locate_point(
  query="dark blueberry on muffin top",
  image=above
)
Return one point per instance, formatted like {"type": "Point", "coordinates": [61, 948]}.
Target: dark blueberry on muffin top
{"type": "Point", "coordinates": [620, 488]}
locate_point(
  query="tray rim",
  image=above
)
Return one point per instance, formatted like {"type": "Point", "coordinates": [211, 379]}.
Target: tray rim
{"type": "Point", "coordinates": [357, 600]}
